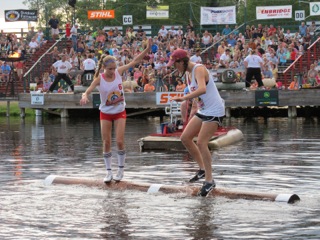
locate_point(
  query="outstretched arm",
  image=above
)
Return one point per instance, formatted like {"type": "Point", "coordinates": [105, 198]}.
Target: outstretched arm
{"type": "Point", "coordinates": [84, 100]}
{"type": "Point", "coordinates": [137, 59]}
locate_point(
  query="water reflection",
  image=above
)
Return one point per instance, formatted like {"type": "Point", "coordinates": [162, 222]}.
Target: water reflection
{"type": "Point", "coordinates": [277, 155]}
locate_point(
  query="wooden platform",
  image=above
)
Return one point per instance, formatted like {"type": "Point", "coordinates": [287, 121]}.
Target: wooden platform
{"type": "Point", "coordinates": [143, 101]}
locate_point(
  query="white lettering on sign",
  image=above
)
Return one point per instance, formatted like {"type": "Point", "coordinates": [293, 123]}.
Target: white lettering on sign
{"type": "Point", "coordinates": [163, 98]}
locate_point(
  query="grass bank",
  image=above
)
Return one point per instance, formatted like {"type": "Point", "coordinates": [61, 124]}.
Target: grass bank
{"type": "Point", "coordinates": [14, 109]}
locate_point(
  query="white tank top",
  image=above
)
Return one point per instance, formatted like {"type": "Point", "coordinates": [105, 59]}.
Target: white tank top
{"type": "Point", "coordinates": [111, 95]}
{"type": "Point", "coordinates": [210, 103]}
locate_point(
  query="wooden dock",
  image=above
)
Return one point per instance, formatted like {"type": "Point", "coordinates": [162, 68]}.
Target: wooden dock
{"type": "Point", "coordinates": [148, 101]}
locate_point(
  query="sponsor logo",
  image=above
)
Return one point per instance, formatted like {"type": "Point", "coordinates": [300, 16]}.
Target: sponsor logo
{"type": "Point", "coordinates": [100, 14]}
{"type": "Point", "coordinates": [12, 15]}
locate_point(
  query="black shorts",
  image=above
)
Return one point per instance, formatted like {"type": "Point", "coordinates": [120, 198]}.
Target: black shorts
{"type": "Point", "coordinates": [205, 118]}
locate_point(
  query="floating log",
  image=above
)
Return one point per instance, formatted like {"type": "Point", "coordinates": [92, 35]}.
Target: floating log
{"type": "Point", "coordinates": [153, 188]}
{"type": "Point", "coordinates": [173, 142]}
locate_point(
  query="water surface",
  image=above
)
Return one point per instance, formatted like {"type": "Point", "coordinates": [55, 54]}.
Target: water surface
{"type": "Point", "coordinates": [278, 155]}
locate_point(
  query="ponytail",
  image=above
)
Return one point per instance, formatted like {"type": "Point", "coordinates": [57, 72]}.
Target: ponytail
{"type": "Point", "coordinates": [96, 74]}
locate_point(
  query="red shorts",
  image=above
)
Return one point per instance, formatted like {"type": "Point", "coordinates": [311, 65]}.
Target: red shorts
{"type": "Point", "coordinates": [112, 117]}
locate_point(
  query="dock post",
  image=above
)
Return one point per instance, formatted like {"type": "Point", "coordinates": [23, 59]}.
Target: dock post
{"type": "Point", "coordinates": [22, 112]}
{"type": "Point", "coordinates": [64, 113]}
{"type": "Point", "coordinates": [8, 108]}
{"type": "Point", "coordinates": [228, 112]}
{"type": "Point", "coordinates": [292, 111]}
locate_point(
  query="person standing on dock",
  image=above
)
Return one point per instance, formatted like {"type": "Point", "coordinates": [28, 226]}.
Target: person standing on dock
{"type": "Point", "coordinates": [253, 64]}
{"type": "Point", "coordinates": [112, 107]}
{"type": "Point", "coordinates": [62, 67]}
{"type": "Point", "coordinates": [204, 124]}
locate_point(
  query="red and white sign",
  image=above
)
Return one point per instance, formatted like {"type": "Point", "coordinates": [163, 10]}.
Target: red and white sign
{"type": "Point", "coordinates": [163, 98]}
{"type": "Point", "coordinates": [271, 12]}
{"type": "Point", "coordinates": [100, 14]}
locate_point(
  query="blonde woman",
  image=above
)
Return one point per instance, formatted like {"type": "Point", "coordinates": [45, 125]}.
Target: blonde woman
{"type": "Point", "coordinates": [112, 108]}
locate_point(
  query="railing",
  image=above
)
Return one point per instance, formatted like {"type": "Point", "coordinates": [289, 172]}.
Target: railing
{"type": "Point", "coordinates": [292, 69]}
{"type": "Point", "coordinates": [297, 66]}
{"type": "Point", "coordinates": [312, 47]}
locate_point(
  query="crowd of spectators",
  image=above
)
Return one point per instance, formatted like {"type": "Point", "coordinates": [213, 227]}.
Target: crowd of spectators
{"type": "Point", "coordinates": [277, 46]}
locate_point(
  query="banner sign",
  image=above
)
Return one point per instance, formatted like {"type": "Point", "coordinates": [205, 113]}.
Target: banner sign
{"type": "Point", "coordinates": [100, 14]}
{"type": "Point", "coordinates": [272, 12]}
{"type": "Point", "coordinates": [218, 15]}
{"type": "Point", "coordinates": [314, 8]}
{"type": "Point", "coordinates": [158, 12]}
{"type": "Point", "coordinates": [21, 15]}
{"type": "Point", "coordinates": [267, 98]}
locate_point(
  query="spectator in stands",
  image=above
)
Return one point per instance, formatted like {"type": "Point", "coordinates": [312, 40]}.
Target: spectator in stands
{"type": "Point", "coordinates": [54, 24]}
{"type": "Point", "coordinates": [119, 39]}
{"type": "Point", "coordinates": [20, 69]}
{"type": "Point", "coordinates": [282, 57]}
{"type": "Point", "coordinates": [272, 31]}
{"type": "Point", "coordinates": [39, 83]}
{"type": "Point", "coordinates": [312, 29]}
{"type": "Point", "coordinates": [303, 29]}
{"type": "Point", "coordinates": [206, 40]}
{"type": "Point", "coordinates": [149, 87]}
{"type": "Point", "coordinates": [33, 46]}
{"type": "Point", "coordinates": [163, 31]}
{"type": "Point", "coordinates": [227, 30]}
{"type": "Point", "coordinates": [180, 31]}
{"type": "Point", "coordinates": [180, 85]}
{"type": "Point", "coordinates": [274, 70]}
{"type": "Point", "coordinates": [55, 54]}
{"type": "Point", "coordinates": [172, 32]}
{"type": "Point", "coordinates": [5, 70]}
{"type": "Point", "coordinates": [46, 82]}
{"type": "Point", "coordinates": [140, 33]}
{"type": "Point", "coordinates": [293, 54]}
{"type": "Point", "coordinates": [266, 72]}
{"type": "Point", "coordinates": [225, 59]}
{"type": "Point", "coordinates": [312, 74]}
{"type": "Point", "coordinates": [131, 35]}
{"type": "Point", "coordinates": [231, 40]}
{"type": "Point", "coordinates": [294, 85]}
{"type": "Point", "coordinates": [196, 58]}
{"type": "Point", "coordinates": [88, 65]}
{"type": "Point", "coordinates": [30, 34]}
{"type": "Point", "coordinates": [74, 36]}
{"type": "Point", "coordinates": [221, 49]}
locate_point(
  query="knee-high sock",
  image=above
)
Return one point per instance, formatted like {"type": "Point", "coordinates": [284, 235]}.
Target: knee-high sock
{"type": "Point", "coordinates": [107, 157]}
{"type": "Point", "coordinates": [121, 158]}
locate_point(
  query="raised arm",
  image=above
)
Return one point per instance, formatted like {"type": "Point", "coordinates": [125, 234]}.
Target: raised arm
{"type": "Point", "coordinates": [137, 59]}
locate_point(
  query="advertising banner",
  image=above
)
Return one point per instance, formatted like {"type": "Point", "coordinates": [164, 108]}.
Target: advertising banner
{"type": "Point", "coordinates": [218, 15]}
{"type": "Point", "coordinates": [272, 12]}
{"type": "Point", "coordinates": [158, 12]}
{"type": "Point", "coordinates": [314, 8]}
{"type": "Point", "coordinates": [21, 15]}
{"type": "Point", "coordinates": [100, 14]}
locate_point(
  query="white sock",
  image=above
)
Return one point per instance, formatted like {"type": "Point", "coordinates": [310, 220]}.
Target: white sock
{"type": "Point", "coordinates": [121, 158]}
{"type": "Point", "coordinates": [107, 157]}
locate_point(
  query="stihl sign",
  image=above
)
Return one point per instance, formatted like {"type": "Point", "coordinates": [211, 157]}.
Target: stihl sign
{"type": "Point", "coordinates": [163, 98]}
{"type": "Point", "coordinates": [100, 14]}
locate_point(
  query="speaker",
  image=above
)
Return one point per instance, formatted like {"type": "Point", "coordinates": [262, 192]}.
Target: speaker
{"type": "Point", "coordinates": [72, 3]}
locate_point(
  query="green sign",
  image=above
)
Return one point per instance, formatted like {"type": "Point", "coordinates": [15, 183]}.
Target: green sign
{"type": "Point", "coordinates": [267, 97]}
{"type": "Point", "coordinates": [96, 100]}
